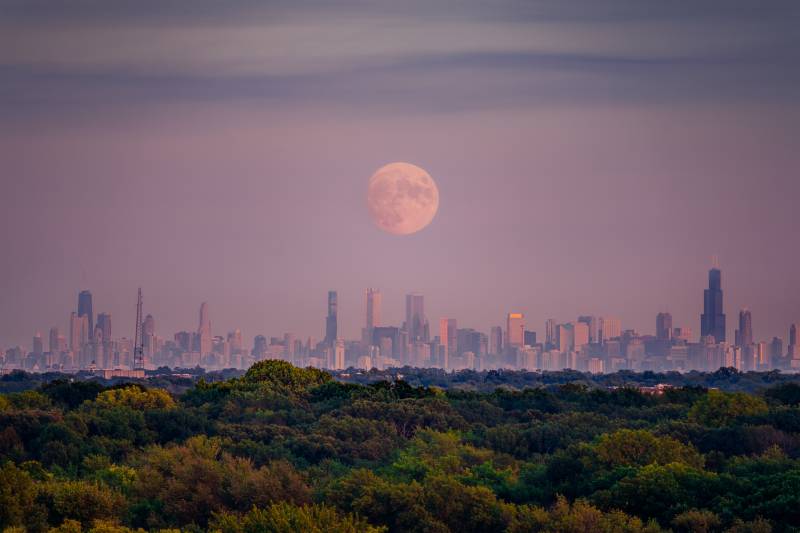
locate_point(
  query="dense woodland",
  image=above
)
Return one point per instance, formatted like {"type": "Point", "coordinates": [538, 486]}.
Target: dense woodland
{"type": "Point", "coordinates": [285, 449]}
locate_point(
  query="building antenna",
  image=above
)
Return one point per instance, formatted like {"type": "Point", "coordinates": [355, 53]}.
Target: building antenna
{"type": "Point", "coordinates": [138, 340]}
{"type": "Point", "coordinates": [715, 261]}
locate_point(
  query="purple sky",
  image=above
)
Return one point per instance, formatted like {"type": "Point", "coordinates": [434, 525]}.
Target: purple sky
{"type": "Point", "coordinates": [591, 157]}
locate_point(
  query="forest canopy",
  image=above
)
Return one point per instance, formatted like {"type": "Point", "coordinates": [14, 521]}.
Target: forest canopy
{"type": "Point", "coordinates": [287, 449]}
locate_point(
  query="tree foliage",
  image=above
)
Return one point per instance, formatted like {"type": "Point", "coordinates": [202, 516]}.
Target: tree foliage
{"type": "Point", "coordinates": [288, 449]}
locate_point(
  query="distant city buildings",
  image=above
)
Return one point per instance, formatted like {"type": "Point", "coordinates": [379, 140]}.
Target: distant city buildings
{"type": "Point", "coordinates": [332, 320]}
{"type": "Point", "coordinates": [664, 326]}
{"type": "Point", "coordinates": [712, 321]}
{"type": "Point", "coordinates": [590, 343]}
{"type": "Point", "coordinates": [416, 324]}
{"type": "Point", "coordinates": [515, 330]}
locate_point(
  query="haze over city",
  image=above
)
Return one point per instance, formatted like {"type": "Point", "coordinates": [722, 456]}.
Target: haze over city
{"type": "Point", "coordinates": [589, 160]}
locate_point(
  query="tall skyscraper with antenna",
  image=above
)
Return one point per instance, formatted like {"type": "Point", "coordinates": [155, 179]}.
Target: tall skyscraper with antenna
{"type": "Point", "coordinates": [138, 340]}
{"type": "Point", "coordinates": [712, 321]}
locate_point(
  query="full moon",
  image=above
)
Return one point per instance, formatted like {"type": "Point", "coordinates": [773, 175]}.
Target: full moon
{"type": "Point", "coordinates": [402, 198]}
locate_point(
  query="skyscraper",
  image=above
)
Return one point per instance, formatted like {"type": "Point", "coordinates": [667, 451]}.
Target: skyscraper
{"type": "Point", "coordinates": [448, 336]}
{"type": "Point", "coordinates": [85, 309]}
{"type": "Point", "coordinates": [712, 321]}
{"type": "Point", "coordinates": [415, 317]}
{"type": "Point", "coordinates": [550, 333]}
{"type": "Point", "coordinates": [580, 335]}
{"type": "Point", "coordinates": [331, 321]}
{"type": "Point", "coordinates": [793, 335]}
{"type": "Point", "coordinates": [515, 330]}
{"type": "Point", "coordinates": [664, 326]}
{"type": "Point", "coordinates": [373, 308]}
{"type": "Point", "coordinates": [54, 343]}
{"type": "Point", "coordinates": [610, 328]}
{"type": "Point", "coordinates": [744, 335]}
{"type": "Point", "coordinates": [204, 331]}
{"type": "Point", "coordinates": [149, 326]}
{"type": "Point", "coordinates": [38, 346]}
{"type": "Point", "coordinates": [78, 332]}
{"type": "Point", "coordinates": [496, 340]}
{"type": "Point", "coordinates": [235, 340]}
{"type": "Point", "coordinates": [591, 322]}
{"type": "Point", "coordinates": [776, 350]}
{"type": "Point", "coordinates": [104, 323]}
{"type": "Point", "coordinates": [565, 337]}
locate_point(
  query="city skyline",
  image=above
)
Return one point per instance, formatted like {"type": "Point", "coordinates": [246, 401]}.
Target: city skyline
{"type": "Point", "coordinates": [333, 320]}
{"type": "Point", "coordinates": [590, 343]}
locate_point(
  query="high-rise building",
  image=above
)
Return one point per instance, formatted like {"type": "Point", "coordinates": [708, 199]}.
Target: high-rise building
{"type": "Point", "coordinates": [529, 338]}
{"type": "Point", "coordinates": [184, 340]}
{"type": "Point", "coordinates": [415, 317]}
{"type": "Point", "coordinates": [565, 337]}
{"type": "Point", "coordinates": [235, 340]}
{"type": "Point", "coordinates": [761, 356]}
{"type": "Point", "coordinates": [682, 334]}
{"type": "Point", "coordinates": [744, 335]}
{"type": "Point", "coordinates": [259, 347]}
{"type": "Point", "coordinates": [609, 328]}
{"type": "Point", "coordinates": [793, 335]}
{"type": "Point", "coordinates": [104, 323]}
{"type": "Point", "coordinates": [447, 335]}
{"type": "Point", "coordinates": [85, 308]}
{"type": "Point", "coordinates": [205, 340]}
{"type": "Point", "coordinates": [664, 326]}
{"type": "Point", "coordinates": [776, 349]}
{"type": "Point", "coordinates": [591, 322]}
{"type": "Point", "coordinates": [496, 340]}
{"type": "Point", "coordinates": [335, 354]}
{"type": "Point", "coordinates": [78, 332]}
{"type": "Point", "coordinates": [712, 321]}
{"type": "Point", "coordinates": [331, 320]}
{"type": "Point", "coordinates": [38, 345]}
{"type": "Point", "coordinates": [550, 333]}
{"type": "Point", "coordinates": [54, 340]}
{"type": "Point", "coordinates": [580, 335]}
{"type": "Point", "coordinates": [515, 330]}
{"type": "Point", "coordinates": [149, 326]}
{"type": "Point", "coordinates": [373, 309]}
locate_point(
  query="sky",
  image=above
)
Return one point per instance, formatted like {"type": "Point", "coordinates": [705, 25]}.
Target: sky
{"type": "Point", "coordinates": [591, 158]}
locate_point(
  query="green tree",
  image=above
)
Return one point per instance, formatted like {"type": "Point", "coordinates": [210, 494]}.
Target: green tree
{"type": "Point", "coordinates": [719, 408]}
{"type": "Point", "coordinates": [18, 500]}
{"type": "Point", "coordinates": [287, 518]}
{"type": "Point", "coordinates": [136, 398]}
{"type": "Point", "coordinates": [640, 447]}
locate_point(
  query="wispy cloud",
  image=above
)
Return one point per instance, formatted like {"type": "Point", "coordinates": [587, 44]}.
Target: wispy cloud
{"type": "Point", "coordinates": [393, 55]}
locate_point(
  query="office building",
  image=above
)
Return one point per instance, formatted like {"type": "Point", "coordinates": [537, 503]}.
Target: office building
{"type": "Point", "coordinates": [104, 324]}
{"type": "Point", "coordinates": [415, 317]}
{"type": "Point", "coordinates": [515, 330]}
{"type": "Point", "coordinates": [85, 309]}
{"type": "Point", "coordinates": [712, 321]}
{"type": "Point", "coordinates": [591, 323]}
{"type": "Point", "coordinates": [331, 320]}
{"type": "Point", "coordinates": [664, 326]}
{"type": "Point", "coordinates": [744, 334]}
{"type": "Point", "coordinates": [496, 340]}
{"type": "Point", "coordinates": [609, 328]}
{"type": "Point", "coordinates": [205, 340]}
